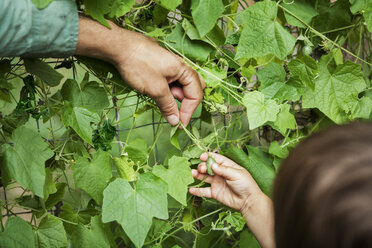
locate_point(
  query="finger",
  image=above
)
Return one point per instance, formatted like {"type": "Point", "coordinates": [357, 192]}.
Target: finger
{"type": "Point", "coordinates": [202, 81]}
{"type": "Point", "coordinates": [166, 102]}
{"type": "Point", "coordinates": [177, 92]}
{"type": "Point", "coordinates": [201, 192]}
{"type": "Point", "coordinates": [201, 176]}
{"type": "Point", "coordinates": [226, 172]}
{"type": "Point", "coordinates": [202, 168]}
{"type": "Point", "coordinates": [192, 90]}
{"type": "Point", "coordinates": [220, 159]}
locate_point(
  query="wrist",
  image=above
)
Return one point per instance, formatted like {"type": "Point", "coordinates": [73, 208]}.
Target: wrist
{"type": "Point", "coordinates": [98, 41]}
{"type": "Point", "coordinates": [258, 211]}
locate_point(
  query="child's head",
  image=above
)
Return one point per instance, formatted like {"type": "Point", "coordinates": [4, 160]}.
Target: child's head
{"type": "Point", "coordinates": [323, 191]}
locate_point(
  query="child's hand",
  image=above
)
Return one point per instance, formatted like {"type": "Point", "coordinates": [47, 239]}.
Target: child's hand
{"type": "Point", "coordinates": [233, 186]}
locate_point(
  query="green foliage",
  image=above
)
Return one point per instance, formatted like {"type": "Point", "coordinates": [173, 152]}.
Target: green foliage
{"type": "Point", "coordinates": [25, 162]}
{"type": "Point", "coordinates": [76, 139]}
{"type": "Point", "coordinates": [17, 234]}
{"type": "Point", "coordinates": [134, 209]}
{"type": "Point", "coordinates": [177, 176]}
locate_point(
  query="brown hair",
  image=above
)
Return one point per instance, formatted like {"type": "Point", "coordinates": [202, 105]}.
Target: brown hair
{"type": "Point", "coordinates": [323, 191]}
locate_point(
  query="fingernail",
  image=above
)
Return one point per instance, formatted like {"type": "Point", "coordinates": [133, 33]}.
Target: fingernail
{"type": "Point", "coordinates": [173, 120]}
{"type": "Point", "coordinates": [215, 165]}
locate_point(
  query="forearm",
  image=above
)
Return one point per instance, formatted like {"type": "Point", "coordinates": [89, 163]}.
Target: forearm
{"type": "Point", "coordinates": [97, 41]}
{"type": "Point", "coordinates": [259, 216]}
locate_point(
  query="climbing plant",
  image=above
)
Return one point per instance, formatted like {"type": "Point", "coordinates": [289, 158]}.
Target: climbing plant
{"type": "Point", "coordinates": [94, 164]}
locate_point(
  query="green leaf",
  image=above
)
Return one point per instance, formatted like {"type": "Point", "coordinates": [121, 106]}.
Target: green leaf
{"type": "Point", "coordinates": [93, 176]}
{"type": "Point", "coordinates": [364, 7]}
{"type": "Point", "coordinates": [134, 209]}
{"type": "Point", "coordinates": [41, 4]}
{"type": "Point", "coordinates": [174, 133]}
{"type": "Point", "coordinates": [169, 4]}
{"type": "Point", "coordinates": [193, 49]}
{"type": "Point", "coordinates": [335, 89]}
{"type": "Point", "coordinates": [205, 14]}
{"type": "Point", "coordinates": [49, 186]}
{"type": "Point", "coordinates": [362, 109]}
{"type": "Point", "coordinates": [302, 10]}
{"type": "Point", "coordinates": [54, 198]}
{"type": "Point", "coordinates": [277, 150]}
{"type": "Point", "coordinates": [285, 120]}
{"type": "Point", "coordinates": [305, 69]}
{"type": "Point", "coordinates": [88, 95]}
{"type": "Point", "coordinates": [125, 168]}
{"type": "Point", "coordinates": [25, 162]}
{"type": "Point", "coordinates": [79, 119]}
{"type": "Point", "coordinates": [43, 71]}
{"type": "Point", "coordinates": [137, 150]}
{"type": "Point", "coordinates": [97, 10]}
{"type": "Point", "coordinates": [178, 176]}
{"type": "Point", "coordinates": [17, 234]}
{"type": "Point", "coordinates": [259, 109]}
{"type": "Point", "coordinates": [120, 7]}
{"type": "Point", "coordinates": [213, 75]}
{"type": "Point", "coordinates": [262, 35]}
{"type": "Point", "coordinates": [51, 233]}
{"type": "Point", "coordinates": [5, 67]}
{"type": "Point", "coordinates": [94, 237]}
{"type": "Point", "coordinates": [258, 164]}
{"type": "Point", "coordinates": [246, 239]}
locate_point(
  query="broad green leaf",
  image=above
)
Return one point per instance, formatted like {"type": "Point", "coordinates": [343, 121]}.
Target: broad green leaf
{"type": "Point", "coordinates": [43, 71]}
{"type": "Point", "coordinates": [41, 4]}
{"type": "Point", "coordinates": [285, 120]}
{"type": "Point", "coordinates": [169, 4]}
{"type": "Point", "coordinates": [262, 35]}
{"type": "Point", "coordinates": [54, 198]}
{"type": "Point", "coordinates": [137, 150]}
{"type": "Point", "coordinates": [174, 133]}
{"type": "Point", "coordinates": [97, 10]}
{"type": "Point", "coordinates": [246, 239]}
{"type": "Point", "coordinates": [364, 7]}
{"type": "Point", "coordinates": [178, 176]}
{"type": "Point", "coordinates": [134, 209]}
{"type": "Point", "coordinates": [305, 69]}
{"type": "Point", "coordinates": [302, 10]}
{"type": "Point", "coordinates": [205, 14]}
{"type": "Point", "coordinates": [88, 95]}
{"type": "Point", "coordinates": [120, 7]}
{"type": "Point", "coordinates": [79, 119]}
{"type": "Point", "coordinates": [277, 150]}
{"type": "Point", "coordinates": [49, 186]}
{"type": "Point", "coordinates": [25, 162]}
{"type": "Point", "coordinates": [257, 163]}
{"type": "Point", "coordinates": [213, 75]}
{"type": "Point", "coordinates": [93, 176]}
{"type": "Point", "coordinates": [259, 109]}
{"type": "Point", "coordinates": [93, 237]}
{"type": "Point", "coordinates": [272, 83]}
{"type": "Point", "coordinates": [125, 168]}
{"type": "Point", "coordinates": [335, 90]}
{"type": "Point", "coordinates": [362, 108]}
{"type": "Point", "coordinates": [51, 233]}
{"type": "Point", "coordinates": [215, 37]}
{"type": "Point", "coordinates": [17, 234]}
{"type": "Point", "coordinates": [193, 49]}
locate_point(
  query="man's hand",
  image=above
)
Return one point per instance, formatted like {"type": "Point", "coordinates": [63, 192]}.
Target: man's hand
{"type": "Point", "coordinates": [145, 66]}
{"type": "Point", "coordinates": [233, 186]}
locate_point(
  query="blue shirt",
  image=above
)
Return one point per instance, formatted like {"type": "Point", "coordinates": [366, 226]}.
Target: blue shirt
{"type": "Point", "coordinates": [31, 32]}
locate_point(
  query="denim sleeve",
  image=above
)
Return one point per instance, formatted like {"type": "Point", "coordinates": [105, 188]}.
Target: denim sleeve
{"type": "Point", "coordinates": [31, 32]}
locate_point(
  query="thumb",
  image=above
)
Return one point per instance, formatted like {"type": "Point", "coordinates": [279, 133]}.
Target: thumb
{"type": "Point", "coordinates": [168, 106]}
{"type": "Point", "coordinates": [226, 172]}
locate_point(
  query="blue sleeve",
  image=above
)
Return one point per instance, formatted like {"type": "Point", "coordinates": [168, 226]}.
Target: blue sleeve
{"type": "Point", "coordinates": [31, 32]}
